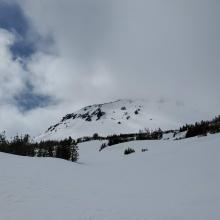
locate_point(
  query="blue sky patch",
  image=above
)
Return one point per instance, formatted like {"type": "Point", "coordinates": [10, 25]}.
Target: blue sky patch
{"type": "Point", "coordinates": [13, 19]}
{"type": "Point", "coordinates": [28, 100]}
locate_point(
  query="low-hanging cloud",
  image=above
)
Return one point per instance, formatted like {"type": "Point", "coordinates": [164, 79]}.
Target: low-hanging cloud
{"type": "Point", "coordinates": [163, 46]}
{"type": "Point", "coordinates": [105, 50]}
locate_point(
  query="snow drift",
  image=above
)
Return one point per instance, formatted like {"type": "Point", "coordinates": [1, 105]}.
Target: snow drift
{"type": "Point", "coordinates": [172, 180]}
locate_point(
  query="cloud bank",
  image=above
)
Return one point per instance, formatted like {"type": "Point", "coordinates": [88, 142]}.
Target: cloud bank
{"type": "Point", "coordinates": [96, 51]}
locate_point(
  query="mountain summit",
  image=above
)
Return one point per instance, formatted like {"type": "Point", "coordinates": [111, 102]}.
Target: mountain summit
{"type": "Point", "coordinates": [121, 116]}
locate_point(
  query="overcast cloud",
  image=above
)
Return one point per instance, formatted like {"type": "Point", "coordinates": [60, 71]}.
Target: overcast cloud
{"type": "Point", "coordinates": [89, 51]}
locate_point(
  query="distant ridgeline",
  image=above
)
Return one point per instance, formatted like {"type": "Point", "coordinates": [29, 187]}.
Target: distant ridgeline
{"type": "Point", "coordinates": [67, 149]}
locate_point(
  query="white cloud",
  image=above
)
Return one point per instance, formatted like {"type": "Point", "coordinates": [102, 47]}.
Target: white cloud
{"type": "Point", "coordinates": [11, 72]}
{"type": "Point", "coordinates": [50, 75]}
{"type": "Point", "coordinates": [162, 46]}
{"type": "Point", "coordinates": [105, 50]}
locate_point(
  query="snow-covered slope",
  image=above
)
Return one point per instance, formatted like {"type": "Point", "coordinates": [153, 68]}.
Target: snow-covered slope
{"type": "Point", "coordinates": [172, 180]}
{"type": "Point", "coordinates": [122, 116]}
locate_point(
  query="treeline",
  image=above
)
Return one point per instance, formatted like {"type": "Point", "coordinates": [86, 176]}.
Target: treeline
{"type": "Point", "coordinates": [67, 149]}
{"type": "Point", "coordinates": [142, 135]}
{"type": "Point", "coordinates": [120, 138]}
{"type": "Point", "coordinates": [90, 138]}
{"type": "Point", "coordinates": [22, 145]}
{"type": "Point", "coordinates": [192, 130]}
{"type": "Point", "coordinates": [202, 128]}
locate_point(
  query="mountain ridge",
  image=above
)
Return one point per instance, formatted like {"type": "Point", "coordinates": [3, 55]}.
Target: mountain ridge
{"type": "Point", "coordinates": [120, 116]}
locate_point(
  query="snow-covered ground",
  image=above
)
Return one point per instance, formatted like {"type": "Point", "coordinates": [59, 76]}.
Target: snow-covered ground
{"type": "Point", "coordinates": [173, 180]}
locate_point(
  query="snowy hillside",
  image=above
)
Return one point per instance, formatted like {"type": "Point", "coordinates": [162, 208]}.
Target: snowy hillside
{"type": "Point", "coordinates": [172, 180]}
{"type": "Point", "coordinates": [122, 116]}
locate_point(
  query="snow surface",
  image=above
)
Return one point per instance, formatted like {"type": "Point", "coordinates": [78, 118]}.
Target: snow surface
{"type": "Point", "coordinates": [122, 116]}
{"type": "Point", "coordinates": [173, 180]}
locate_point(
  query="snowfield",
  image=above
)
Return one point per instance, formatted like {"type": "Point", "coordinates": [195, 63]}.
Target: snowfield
{"type": "Point", "coordinates": [173, 180]}
{"type": "Point", "coordinates": [122, 116]}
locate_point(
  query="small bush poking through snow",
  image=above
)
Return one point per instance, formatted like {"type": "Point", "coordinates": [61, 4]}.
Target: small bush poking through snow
{"type": "Point", "coordinates": [104, 145]}
{"type": "Point", "coordinates": [129, 151]}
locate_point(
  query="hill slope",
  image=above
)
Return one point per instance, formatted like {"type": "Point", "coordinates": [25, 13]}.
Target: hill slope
{"type": "Point", "coordinates": [173, 180]}
{"type": "Point", "coordinates": [122, 116]}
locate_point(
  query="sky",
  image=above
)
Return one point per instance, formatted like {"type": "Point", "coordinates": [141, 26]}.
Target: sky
{"type": "Point", "coordinates": [58, 56]}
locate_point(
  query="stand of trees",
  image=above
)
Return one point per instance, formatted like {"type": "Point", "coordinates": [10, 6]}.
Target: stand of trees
{"type": "Point", "coordinates": [120, 138]}
{"type": "Point", "coordinates": [142, 135]}
{"type": "Point", "coordinates": [129, 151]}
{"type": "Point", "coordinates": [22, 145]}
{"type": "Point", "coordinates": [199, 128]}
{"type": "Point", "coordinates": [202, 128]}
{"type": "Point", "coordinates": [67, 149]}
